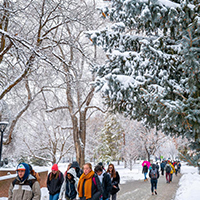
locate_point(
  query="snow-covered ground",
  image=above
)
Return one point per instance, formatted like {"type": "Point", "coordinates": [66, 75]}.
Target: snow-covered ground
{"type": "Point", "coordinates": [188, 185]}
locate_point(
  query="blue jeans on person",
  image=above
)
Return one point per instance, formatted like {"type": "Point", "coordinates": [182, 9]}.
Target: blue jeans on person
{"type": "Point", "coordinates": [54, 197]}
{"type": "Point", "coordinates": [145, 175]}
{"type": "Point", "coordinates": [153, 184]}
{"type": "Point", "coordinates": [171, 177]}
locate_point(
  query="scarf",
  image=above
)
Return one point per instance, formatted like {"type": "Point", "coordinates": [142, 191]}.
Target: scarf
{"type": "Point", "coordinates": [87, 186]}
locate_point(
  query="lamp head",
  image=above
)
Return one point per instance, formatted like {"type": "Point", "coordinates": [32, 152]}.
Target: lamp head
{"type": "Point", "coordinates": [3, 126]}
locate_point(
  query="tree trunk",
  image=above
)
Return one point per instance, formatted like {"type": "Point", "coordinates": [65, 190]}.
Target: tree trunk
{"type": "Point", "coordinates": [148, 155]}
{"type": "Point", "coordinates": [79, 133]}
{"type": "Point", "coordinates": [131, 164]}
{"type": "Point", "coordinates": [125, 164]}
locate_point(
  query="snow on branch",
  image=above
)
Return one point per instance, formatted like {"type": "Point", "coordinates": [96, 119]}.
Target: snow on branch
{"type": "Point", "coordinates": [57, 108]}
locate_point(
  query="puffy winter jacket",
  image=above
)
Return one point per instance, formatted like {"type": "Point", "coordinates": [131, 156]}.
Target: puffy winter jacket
{"type": "Point", "coordinates": [29, 189]}
{"type": "Point", "coordinates": [54, 185]}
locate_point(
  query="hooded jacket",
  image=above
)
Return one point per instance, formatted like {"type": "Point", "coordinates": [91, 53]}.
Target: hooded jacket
{"type": "Point", "coordinates": [77, 168]}
{"type": "Point", "coordinates": [69, 188]}
{"type": "Point", "coordinates": [26, 188]}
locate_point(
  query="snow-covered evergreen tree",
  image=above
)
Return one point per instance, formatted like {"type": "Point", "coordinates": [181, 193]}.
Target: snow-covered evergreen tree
{"type": "Point", "coordinates": [152, 71]}
{"type": "Point", "coordinates": [111, 140]}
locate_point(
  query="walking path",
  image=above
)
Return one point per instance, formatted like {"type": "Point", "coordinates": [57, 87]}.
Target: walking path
{"type": "Point", "coordinates": [140, 190]}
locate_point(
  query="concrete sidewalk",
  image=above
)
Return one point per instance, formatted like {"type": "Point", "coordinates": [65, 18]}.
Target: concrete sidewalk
{"type": "Point", "coordinates": [140, 190]}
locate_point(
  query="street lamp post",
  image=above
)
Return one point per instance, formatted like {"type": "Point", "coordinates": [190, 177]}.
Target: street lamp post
{"type": "Point", "coordinates": [3, 126]}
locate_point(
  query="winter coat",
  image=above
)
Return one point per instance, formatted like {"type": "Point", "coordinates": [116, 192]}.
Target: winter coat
{"type": "Point", "coordinates": [173, 169]}
{"type": "Point", "coordinates": [156, 169]}
{"type": "Point", "coordinates": [115, 181]}
{"type": "Point", "coordinates": [145, 169]}
{"type": "Point", "coordinates": [179, 165]}
{"type": "Point", "coordinates": [162, 166]}
{"type": "Point", "coordinates": [97, 189]}
{"type": "Point", "coordinates": [54, 185]}
{"type": "Point", "coordinates": [107, 185]}
{"type": "Point", "coordinates": [29, 189]}
{"type": "Point", "coordinates": [69, 187]}
{"type": "Point", "coordinates": [157, 166]}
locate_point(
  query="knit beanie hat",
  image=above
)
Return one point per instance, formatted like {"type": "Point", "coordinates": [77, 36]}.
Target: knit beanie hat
{"type": "Point", "coordinates": [55, 167]}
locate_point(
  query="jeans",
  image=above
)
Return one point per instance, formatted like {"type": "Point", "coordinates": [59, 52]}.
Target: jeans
{"type": "Point", "coordinates": [171, 177]}
{"type": "Point", "coordinates": [54, 197]}
{"type": "Point", "coordinates": [145, 176]}
{"type": "Point", "coordinates": [153, 184]}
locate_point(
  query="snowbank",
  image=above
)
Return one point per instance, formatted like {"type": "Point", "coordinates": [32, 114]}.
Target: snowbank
{"type": "Point", "coordinates": [188, 184]}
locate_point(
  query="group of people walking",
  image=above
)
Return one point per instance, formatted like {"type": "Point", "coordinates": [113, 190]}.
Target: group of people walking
{"type": "Point", "coordinates": [75, 183]}
{"type": "Point", "coordinates": [165, 166]}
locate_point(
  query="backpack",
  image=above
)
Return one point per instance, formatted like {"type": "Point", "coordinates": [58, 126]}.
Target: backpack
{"type": "Point", "coordinates": [94, 180]}
{"type": "Point", "coordinates": [168, 169]}
{"type": "Point", "coordinates": [154, 173]}
{"type": "Point", "coordinates": [58, 176]}
{"type": "Point", "coordinates": [30, 182]}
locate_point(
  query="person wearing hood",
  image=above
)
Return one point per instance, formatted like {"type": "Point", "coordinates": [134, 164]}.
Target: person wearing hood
{"type": "Point", "coordinates": [105, 182]}
{"type": "Point", "coordinates": [154, 175]}
{"type": "Point", "coordinates": [77, 168]}
{"type": "Point", "coordinates": [54, 182]}
{"type": "Point", "coordinates": [101, 164]}
{"type": "Point", "coordinates": [69, 186]}
{"type": "Point", "coordinates": [25, 186]}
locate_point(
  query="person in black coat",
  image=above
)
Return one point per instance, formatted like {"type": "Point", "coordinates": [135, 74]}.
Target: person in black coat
{"type": "Point", "coordinates": [154, 175]}
{"type": "Point", "coordinates": [54, 182]}
{"type": "Point", "coordinates": [115, 180]}
{"type": "Point", "coordinates": [105, 181]}
{"type": "Point", "coordinates": [145, 171]}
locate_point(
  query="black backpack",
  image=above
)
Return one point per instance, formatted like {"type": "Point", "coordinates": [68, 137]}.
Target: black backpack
{"type": "Point", "coordinates": [168, 169]}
